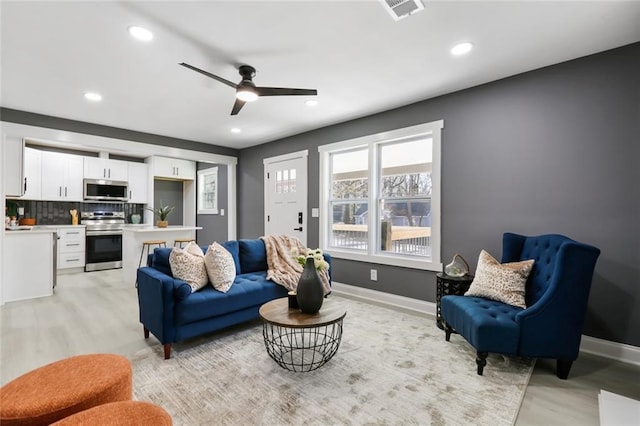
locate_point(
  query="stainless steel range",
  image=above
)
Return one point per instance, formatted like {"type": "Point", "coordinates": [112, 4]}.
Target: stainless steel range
{"type": "Point", "coordinates": [104, 239]}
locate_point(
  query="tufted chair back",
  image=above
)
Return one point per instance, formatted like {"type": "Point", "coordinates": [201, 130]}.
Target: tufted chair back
{"type": "Point", "coordinates": [544, 250]}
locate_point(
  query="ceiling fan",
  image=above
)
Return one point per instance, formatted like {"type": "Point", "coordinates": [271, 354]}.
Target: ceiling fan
{"type": "Point", "coordinates": [247, 91]}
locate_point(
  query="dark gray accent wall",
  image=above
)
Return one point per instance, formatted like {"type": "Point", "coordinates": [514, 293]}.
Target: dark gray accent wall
{"type": "Point", "coordinates": [550, 151]}
{"type": "Point", "coordinates": [215, 226]}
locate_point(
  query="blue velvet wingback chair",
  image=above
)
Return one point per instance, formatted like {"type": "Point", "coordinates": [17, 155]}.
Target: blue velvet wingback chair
{"type": "Point", "coordinates": [556, 297]}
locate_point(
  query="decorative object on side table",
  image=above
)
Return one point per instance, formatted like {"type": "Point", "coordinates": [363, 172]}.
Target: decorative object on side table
{"type": "Point", "coordinates": [458, 267]}
{"type": "Point", "coordinates": [162, 212]}
{"type": "Point", "coordinates": [293, 300]}
{"type": "Point", "coordinates": [310, 291]}
{"type": "Point", "coordinates": [445, 285]}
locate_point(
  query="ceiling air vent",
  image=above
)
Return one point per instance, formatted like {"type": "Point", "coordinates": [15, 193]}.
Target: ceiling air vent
{"type": "Point", "coordinates": [399, 9]}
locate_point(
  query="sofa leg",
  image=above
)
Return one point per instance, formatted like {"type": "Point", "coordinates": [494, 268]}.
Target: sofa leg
{"type": "Point", "coordinates": [562, 368]}
{"type": "Point", "coordinates": [481, 360]}
{"type": "Point", "coordinates": [167, 350]}
{"type": "Point", "coordinates": [447, 331]}
{"type": "Point", "coordinates": [146, 332]}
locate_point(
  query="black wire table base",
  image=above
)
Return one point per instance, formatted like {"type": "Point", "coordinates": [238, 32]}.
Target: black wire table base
{"type": "Point", "coordinates": [302, 349]}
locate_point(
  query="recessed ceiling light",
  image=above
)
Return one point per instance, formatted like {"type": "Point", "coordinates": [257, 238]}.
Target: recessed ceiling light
{"type": "Point", "coordinates": [140, 33]}
{"type": "Point", "coordinates": [236, 130]}
{"type": "Point", "coordinates": [311, 103]}
{"type": "Point", "coordinates": [92, 96]}
{"type": "Point", "coordinates": [462, 48]}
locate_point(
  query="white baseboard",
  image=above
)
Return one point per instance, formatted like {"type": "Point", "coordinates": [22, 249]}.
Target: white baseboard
{"type": "Point", "coordinates": [608, 349]}
{"type": "Point", "coordinates": [605, 348]}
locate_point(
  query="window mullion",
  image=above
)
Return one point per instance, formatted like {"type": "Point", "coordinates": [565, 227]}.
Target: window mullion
{"type": "Point", "coordinates": [373, 199]}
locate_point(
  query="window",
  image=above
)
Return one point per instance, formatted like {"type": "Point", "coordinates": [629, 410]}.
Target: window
{"type": "Point", "coordinates": [380, 197]}
{"type": "Point", "coordinates": [208, 191]}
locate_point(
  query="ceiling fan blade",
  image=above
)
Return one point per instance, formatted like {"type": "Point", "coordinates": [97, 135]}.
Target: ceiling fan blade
{"type": "Point", "coordinates": [208, 74]}
{"type": "Point", "coordinates": [237, 106]}
{"type": "Point", "coordinates": [283, 91]}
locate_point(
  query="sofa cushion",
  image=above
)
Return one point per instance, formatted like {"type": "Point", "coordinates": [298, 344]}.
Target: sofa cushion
{"type": "Point", "coordinates": [502, 282]}
{"type": "Point", "coordinates": [220, 266]}
{"type": "Point", "coordinates": [247, 290]}
{"type": "Point", "coordinates": [234, 248]}
{"type": "Point", "coordinates": [188, 265]}
{"type": "Point", "coordinates": [253, 256]}
{"type": "Point", "coordinates": [160, 260]}
{"type": "Point", "coordinates": [489, 326]}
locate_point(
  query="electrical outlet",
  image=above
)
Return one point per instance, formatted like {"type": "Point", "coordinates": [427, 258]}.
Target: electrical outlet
{"type": "Point", "coordinates": [374, 275]}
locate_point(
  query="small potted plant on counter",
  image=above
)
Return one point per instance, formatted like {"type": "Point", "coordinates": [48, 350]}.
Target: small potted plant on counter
{"type": "Point", "coordinates": [162, 212]}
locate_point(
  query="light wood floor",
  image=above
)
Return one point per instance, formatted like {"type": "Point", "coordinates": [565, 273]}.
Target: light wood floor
{"type": "Point", "coordinates": [97, 312]}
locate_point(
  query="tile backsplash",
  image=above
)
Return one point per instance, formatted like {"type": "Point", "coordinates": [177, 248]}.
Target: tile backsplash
{"type": "Point", "coordinates": [57, 212]}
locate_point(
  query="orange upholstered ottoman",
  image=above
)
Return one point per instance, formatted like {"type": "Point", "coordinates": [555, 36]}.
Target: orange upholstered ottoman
{"type": "Point", "coordinates": [65, 387]}
{"type": "Point", "coordinates": [123, 413]}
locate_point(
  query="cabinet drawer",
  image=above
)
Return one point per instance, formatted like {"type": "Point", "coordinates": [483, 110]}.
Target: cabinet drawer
{"type": "Point", "coordinates": [71, 245]}
{"type": "Point", "coordinates": [71, 260]}
{"type": "Point", "coordinates": [71, 233]}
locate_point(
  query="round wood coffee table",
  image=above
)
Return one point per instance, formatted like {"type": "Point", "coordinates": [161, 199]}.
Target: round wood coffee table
{"type": "Point", "coordinates": [301, 342]}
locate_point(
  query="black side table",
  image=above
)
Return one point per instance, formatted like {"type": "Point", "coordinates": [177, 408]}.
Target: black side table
{"type": "Point", "coordinates": [449, 285]}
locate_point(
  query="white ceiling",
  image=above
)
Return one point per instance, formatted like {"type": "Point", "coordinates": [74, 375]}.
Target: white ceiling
{"type": "Point", "coordinates": [358, 58]}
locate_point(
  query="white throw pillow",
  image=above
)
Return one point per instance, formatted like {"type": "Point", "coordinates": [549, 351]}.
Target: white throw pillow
{"type": "Point", "coordinates": [220, 266]}
{"type": "Point", "coordinates": [502, 282]}
{"type": "Point", "coordinates": [187, 264]}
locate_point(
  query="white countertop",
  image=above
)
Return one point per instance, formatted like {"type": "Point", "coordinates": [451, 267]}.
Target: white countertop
{"type": "Point", "coordinates": [29, 231]}
{"type": "Point", "coordinates": [58, 226]}
{"type": "Point", "coordinates": [149, 228]}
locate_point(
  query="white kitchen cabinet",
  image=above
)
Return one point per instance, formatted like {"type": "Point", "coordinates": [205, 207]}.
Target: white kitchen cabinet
{"type": "Point", "coordinates": [174, 168]}
{"type": "Point", "coordinates": [12, 162]}
{"type": "Point", "coordinates": [32, 183]}
{"type": "Point", "coordinates": [28, 264]}
{"type": "Point", "coordinates": [61, 176]}
{"type": "Point", "coordinates": [71, 247]}
{"type": "Point", "coordinates": [104, 168]}
{"type": "Point", "coordinates": [138, 182]}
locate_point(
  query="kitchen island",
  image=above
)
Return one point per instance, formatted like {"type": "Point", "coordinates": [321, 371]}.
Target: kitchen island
{"type": "Point", "coordinates": [134, 235]}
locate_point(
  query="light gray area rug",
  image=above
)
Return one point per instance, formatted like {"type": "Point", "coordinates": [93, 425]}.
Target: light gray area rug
{"type": "Point", "coordinates": [392, 367]}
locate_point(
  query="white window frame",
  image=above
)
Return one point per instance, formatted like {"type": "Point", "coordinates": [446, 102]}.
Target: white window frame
{"type": "Point", "coordinates": [433, 130]}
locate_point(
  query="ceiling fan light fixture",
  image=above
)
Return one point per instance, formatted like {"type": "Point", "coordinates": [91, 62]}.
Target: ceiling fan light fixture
{"type": "Point", "coordinates": [246, 94]}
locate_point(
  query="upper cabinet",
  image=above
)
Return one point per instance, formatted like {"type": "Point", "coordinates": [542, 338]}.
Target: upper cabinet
{"type": "Point", "coordinates": [104, 168]}
{"type": "Point", "coordinates": [32, 183]}
{"type": "Point", "coordinates": [138, 182]}
{"type": "Point", "coordinates": [12, 162]}
{"type": "Point", "coordinates": [173, 168]}
{"type": "Point", "coordinates": [61, 176]}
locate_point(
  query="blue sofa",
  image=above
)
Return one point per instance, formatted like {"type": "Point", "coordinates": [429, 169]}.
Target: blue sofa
{"type": "Point", "coordinates": [172, 313]}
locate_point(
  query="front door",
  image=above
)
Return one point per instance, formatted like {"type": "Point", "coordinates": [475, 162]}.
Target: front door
{"type": "Point", "coordinates": [285, 195]}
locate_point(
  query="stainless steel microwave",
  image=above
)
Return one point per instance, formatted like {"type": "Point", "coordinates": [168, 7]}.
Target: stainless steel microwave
{"type": "Point", "coordinates": [105, 190]}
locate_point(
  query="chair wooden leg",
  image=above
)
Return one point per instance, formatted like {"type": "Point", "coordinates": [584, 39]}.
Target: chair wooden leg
{"type": "Point", "coordinates": [562, 368]}
{"type": "Point", "coordinates": [447, 331]}
{"type": "Point", "coordinates": [481, 360]}
{"type": "Point", "coordinates": [146, 332]}
{"type": "Point", "coordinates": [167, 350]}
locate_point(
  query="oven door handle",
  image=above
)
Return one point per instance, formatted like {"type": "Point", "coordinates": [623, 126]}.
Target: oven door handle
{"type": "Point", "coordinates": [102, 233]}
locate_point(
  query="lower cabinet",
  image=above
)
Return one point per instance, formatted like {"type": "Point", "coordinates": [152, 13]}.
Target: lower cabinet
{"type": "Point", "coordinates": [71, 247]}
{"type": "Point", "coordinates": [28, 262]}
